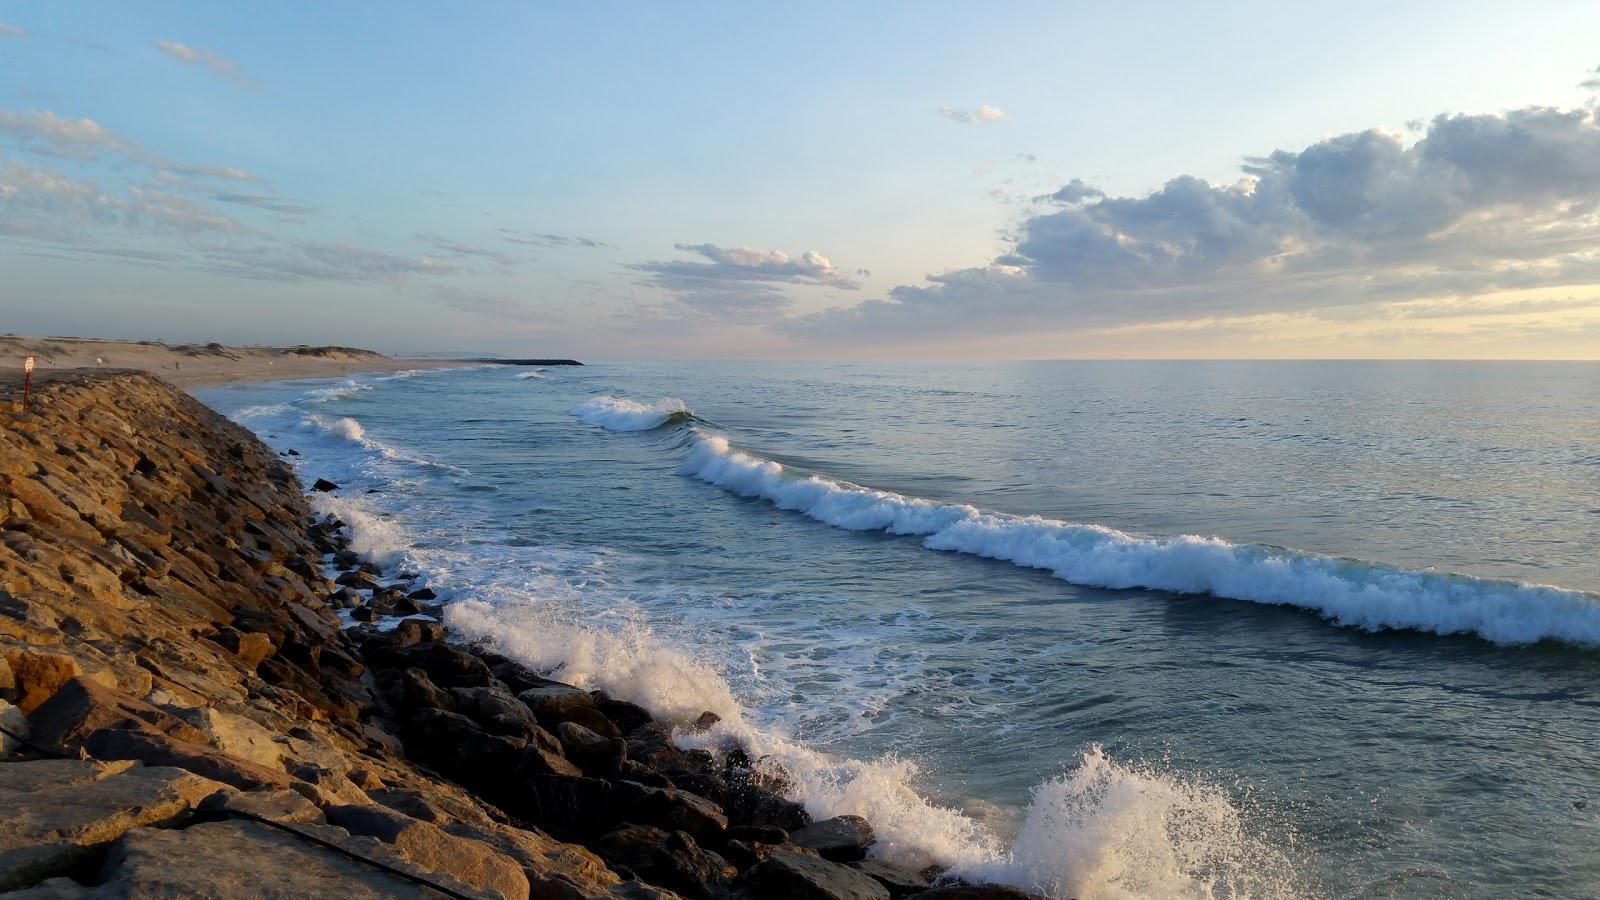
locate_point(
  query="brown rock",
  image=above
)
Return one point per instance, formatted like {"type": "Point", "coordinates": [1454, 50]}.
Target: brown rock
{"type": "Point", "coordinates": [58, 810]}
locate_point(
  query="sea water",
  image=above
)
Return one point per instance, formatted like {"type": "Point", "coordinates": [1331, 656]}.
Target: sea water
{"type": "Point", "coordinates": [1095, 629]}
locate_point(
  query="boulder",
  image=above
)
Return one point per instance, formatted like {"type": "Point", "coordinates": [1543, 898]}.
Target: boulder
{"type": "Point", "coordinates": [216, 859]}
{"type": "Point", "coordinates": [797, 875]}
{"type": "Point", "coordinates": [57, 811]}
{"type": "Point", "coordinates": [13, 729]}
{"type": "Point", "coordinates": [323, 485]}
{"type": "Point", "coordinates": [670, 859]}
{"type": "Point", "coordinates": [840, 839]}
{"type": "Point", "coordinates": [589, 750]}
{"type": "Point", "coordinates": [555, 701]}
{"type": "Point", "coordinates": [432, 849]}
{"type": "Point", "coordinates": [627, 716]}
{"type": "Point", "coordinates": [900, 882]}
{"type": "Point", "coordinates": [109, 724]}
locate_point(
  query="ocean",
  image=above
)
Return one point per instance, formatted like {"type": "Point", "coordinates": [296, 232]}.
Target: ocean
{"type": "Point", "coordinates": [1099, 629]}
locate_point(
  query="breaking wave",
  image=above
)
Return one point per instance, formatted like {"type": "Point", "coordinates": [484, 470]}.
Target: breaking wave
{"type": "Point", "coordinates": [1105, 830]}
{"type": "Point", "coordinates": [1348, 592]}
{"type": "Point", "coordinates": [619, 414]}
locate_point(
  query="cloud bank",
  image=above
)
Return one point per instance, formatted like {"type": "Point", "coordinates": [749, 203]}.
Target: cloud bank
{"type": "Point", "coordinates": [1480, 203]}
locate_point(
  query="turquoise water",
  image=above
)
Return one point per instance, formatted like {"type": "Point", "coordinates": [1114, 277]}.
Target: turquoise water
{"type": "Point", "coordinates": [1101, 629]}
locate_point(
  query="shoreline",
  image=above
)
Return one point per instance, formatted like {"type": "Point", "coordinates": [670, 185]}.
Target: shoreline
{"type": "Point", "coordinates": [191, 366]}
{"type": "Point", "coordinates": [187, 706]}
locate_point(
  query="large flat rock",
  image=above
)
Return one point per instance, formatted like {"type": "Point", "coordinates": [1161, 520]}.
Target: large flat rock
{"type": "Point", "coordinates": [56, 812]}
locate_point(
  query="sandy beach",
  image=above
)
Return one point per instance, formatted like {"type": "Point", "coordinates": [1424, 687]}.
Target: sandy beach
{"type": "Point", "coordinates": [202, 365]}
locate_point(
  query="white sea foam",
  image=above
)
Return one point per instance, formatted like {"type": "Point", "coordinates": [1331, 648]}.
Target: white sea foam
{"type": "Point", "coordinates": [1103, 831]}
{"type": "Point", "coordinates": [524, 376]}
{"type": "Point", "coordinates": [372, 534]}
{"type": "Point", "coordinates": [1071, 844]}
{"type": "Point", "coordinates": [342, 427]}
{"type": "Point", "coordinates": [342, 391]}
{"type": "Point", "coordinates": [1349, 592]}
{"type": "Point", "coordinates": [619, 414]}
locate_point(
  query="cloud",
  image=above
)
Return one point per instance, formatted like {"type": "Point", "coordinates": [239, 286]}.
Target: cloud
{"type": "Point", "coordinates": [48, 134]}
{"type": "Point", "coordinates": [537, 239]}
{"type": "Point", "coordinates": [1478, 203]}
{"type": "Point", "coordinates": [319, 261]}
{"type": "Point", "coordinates": [11, 31]}
{"type": "Point", "coordinates": [739, 282]}
{"type": "Point", "coordinates": [1593, 81]}
{"type": "Point", "coordinates": [262, 201]}
{"type": "Point", "coordinates": [456, 248]}
{"type": "Point", "coordinates": [219, 66]}
{"type": "Point", "coordinates": [983, 115]}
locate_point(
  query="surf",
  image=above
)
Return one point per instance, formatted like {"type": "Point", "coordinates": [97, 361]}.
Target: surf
{"type": "Point", "coordinates": [1347, 592]}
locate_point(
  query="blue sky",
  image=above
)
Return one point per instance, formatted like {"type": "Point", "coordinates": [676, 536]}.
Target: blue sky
{"type": "Point", "coordinates": [633, 180]}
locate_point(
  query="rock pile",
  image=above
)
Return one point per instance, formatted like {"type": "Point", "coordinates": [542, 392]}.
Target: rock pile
{"type": "Point", "coordinates": [185, 714]}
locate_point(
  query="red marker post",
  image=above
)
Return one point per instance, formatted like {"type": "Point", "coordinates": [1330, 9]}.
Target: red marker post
{"type": "Point", "coordinates": [27, 381]}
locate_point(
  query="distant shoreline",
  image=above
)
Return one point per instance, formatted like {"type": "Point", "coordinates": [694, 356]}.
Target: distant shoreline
{"type": "Point", "coordinates": [211, 365]}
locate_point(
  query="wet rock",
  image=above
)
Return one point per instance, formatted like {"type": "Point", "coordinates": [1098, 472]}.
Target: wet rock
{"type": "Point", "coordinates": [757, 834]}
{"type": "Point", "coordinates": [977, 892]}
{"type": "Point", "coordinates": [670, 859]}
{"type": "Point", "coordinates": [899, 882]}
{"type": "Point", "coordinates": [840, 839]}
{"type": "Point", "coordinates": [555, 701]}
{"type": "Point", "coordinates": [750, 804]}
{"type": "Point", "coordinates": [355, 578]}
{"type": "Point", "coordinates": [627, 716]}
{"type": "Point", "coordinates": [422, 594]}
{"type": "Point", "coordinates": [593, 752]}
{"type": "Point", "coordinates": [323, 485]}
{"type": "Point", "coordinates": [796, 875]}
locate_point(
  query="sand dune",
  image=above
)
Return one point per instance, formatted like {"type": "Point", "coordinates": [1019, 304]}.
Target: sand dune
{"type": "Point", "coordinates": [198, 365]}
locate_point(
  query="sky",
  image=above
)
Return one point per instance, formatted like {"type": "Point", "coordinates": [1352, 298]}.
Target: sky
{"type": "Point", "coordinates": [819, 181]}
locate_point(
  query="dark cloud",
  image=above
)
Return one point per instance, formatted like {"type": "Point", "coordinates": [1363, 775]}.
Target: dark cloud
{"type": "Point", "coordinates": [1479, 203]}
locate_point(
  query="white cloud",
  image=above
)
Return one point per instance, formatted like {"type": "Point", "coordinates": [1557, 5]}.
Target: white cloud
{"type": "Point", "coordinates": [740, 282]}
{"type": "Point", "coordinates": [983, 115]}
{"type": "Point", "coordinates": [1477, 204]}
{"type": "Point", "coordinates": [49, 134]}
{"type": "Point", "coordinates": [220, 66]}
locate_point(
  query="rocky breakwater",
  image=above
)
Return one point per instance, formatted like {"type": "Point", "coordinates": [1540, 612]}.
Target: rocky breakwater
{"type": "Point", "coordinates": [183, 713]}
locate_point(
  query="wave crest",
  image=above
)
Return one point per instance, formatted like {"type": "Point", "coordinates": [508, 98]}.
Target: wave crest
{"type": "Point", "coordinates": [620, 414]}
{"type": "Point", "coordinates": [1349, 592]}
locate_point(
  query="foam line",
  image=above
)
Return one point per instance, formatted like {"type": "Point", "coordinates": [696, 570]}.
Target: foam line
{"type": "Point", "coordinates": [1349, 592]}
